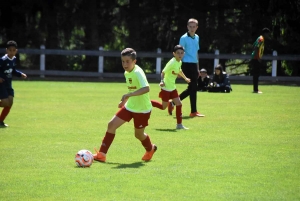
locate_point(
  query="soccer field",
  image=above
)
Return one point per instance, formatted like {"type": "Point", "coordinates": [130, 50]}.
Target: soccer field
{"type": "Point", "coordinates": [247, 147]}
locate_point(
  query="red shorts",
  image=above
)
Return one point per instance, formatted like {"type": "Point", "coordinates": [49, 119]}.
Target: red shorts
{"type": "Point", "coordinates": [140, 120]}
{"type": "Point", "coordinates": [167, 95]}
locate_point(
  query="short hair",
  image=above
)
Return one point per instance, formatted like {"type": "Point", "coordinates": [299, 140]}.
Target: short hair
{"type": "Point", "coordinates": [265, 30]}
{"type": "Point", "coordinates": [11, 43]}
{"type": "Point", "coordinates": [178, 47]}
{"type": "Point", "coordinates": [193, 20]}
{"type": "Point", "coordinates": [129, 52]}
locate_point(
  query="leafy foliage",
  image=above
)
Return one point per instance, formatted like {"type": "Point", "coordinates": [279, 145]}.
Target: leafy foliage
{"type": "Point", "coordinates": [230, 26]}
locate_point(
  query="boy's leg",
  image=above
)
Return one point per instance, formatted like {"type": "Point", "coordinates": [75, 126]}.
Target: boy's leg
{"type": "Point", "coordinates": [144, 138]}
{"type": "Point", "coordinates": [165, 96]}
{"type": "Point", "coordinates": [193, 91]}
{"type": "Point", "coordinates": [6, 104]}
{"type": "Point", "coordinates": [140, 123]}
{"type": "Point", "coordinates": [178, 103]}
{"type": "Point", "coordinates": [4, 113]}
{"type": "Point", "coordinates": [178, 110]}
{"type": "Point", "coordinates": [159, 105]}
{"type": "Point", "coordinates": [114, 123]}
{"type": "Point", "coordinates": [255, 66]}
{"type": "Point", "coordinates": [147, 144]}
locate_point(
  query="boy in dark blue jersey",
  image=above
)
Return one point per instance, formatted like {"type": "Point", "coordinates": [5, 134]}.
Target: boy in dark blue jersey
{"type": "Point", "coordinates": [7, 70]}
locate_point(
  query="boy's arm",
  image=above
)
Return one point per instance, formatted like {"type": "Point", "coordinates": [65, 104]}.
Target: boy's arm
{"type": "Point", "coordinates": [162, 76]}
{"type": "Point", "coordinates": [184, 77]}
{"type": "Point", "coordinates": [18, 73]}
{"type": "Point", "coordinates": [1, 71]}
{"type": "Point", "coordinates": [135, 93]}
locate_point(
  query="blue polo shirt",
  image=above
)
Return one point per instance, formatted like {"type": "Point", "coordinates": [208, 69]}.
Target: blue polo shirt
{"type": "Point", "coordinates": [191, 47]}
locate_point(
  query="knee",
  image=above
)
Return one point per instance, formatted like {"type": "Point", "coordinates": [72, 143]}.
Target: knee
{"type": "Point", "coordinates": [165, 105]}
{"type": "Point", "coordinates": [111, 125]}
{"type": "Point", "coordinates": [6, 103]}
{"type": "Point", "coordinates": [139, 134]}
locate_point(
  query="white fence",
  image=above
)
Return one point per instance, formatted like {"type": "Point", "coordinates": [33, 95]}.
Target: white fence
{"type": "Point", "coordinates": [158, 55]}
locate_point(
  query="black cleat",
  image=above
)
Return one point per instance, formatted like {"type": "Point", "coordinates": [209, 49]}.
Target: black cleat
{"type": "Point", "coordinates": [3, 125]}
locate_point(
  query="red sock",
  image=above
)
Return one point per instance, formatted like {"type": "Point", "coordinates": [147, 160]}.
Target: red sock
{"type": "Point", "coordinates": [157, 104]}
{"type": "Point", "coordinates": [179, 114]}
{"type": "Point", "coordinates": [106, 142]}
{"type": "Point", "coordinates": [4, 113]}
{"type": "Point", "coordinates": [147, 143]}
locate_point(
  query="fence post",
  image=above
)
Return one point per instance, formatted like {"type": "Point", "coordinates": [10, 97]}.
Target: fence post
{"type": "Point", "coordinates": [158, 62]}
{"type": "Point", "coordinates": [216, 60]}
{"type": "Point", "coordinates": [42, 62]}
{"type": "Point", "coordinates": [100, 61]}
{"type": "Point", "coordinates": [274, 65]}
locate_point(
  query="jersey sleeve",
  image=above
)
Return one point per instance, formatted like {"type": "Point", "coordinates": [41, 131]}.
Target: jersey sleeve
{"type": "Point", "coordinates": [1, 70]}
{"type": "Point", "coordinates": [142, 79]}
{"type": "Point", "coordinates": [168, 67]}
{"type": "Point", "coordinates": [182, 42]}
{"type": "Point", "coordinates": [16, 72]}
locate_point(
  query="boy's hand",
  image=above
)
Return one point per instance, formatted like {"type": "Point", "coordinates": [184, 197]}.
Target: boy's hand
{"type": "Point", "coordinates": [162, 84]}
{"type": "Point", "coordinates": [23, 75]}
{"type": "Point", "coordinates": [123, 100]}
{"type": "Point", "coordinates": [1, 80]}
{"type": "Point", "coordinates": [121, 104]}
{"type": "Point", "coordinates": [188, 80]}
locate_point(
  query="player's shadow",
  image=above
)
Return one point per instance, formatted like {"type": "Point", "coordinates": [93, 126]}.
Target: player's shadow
{"type": "Point", "coordinates": [166, 130]}
{"type": "Point", "coordinates": [130, 165]}
{"type": "Point", "coordinates": [184, 117]}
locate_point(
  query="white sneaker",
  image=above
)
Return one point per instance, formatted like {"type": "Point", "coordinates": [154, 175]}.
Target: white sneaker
{"type": "Point", "coordinates": [180, 126]}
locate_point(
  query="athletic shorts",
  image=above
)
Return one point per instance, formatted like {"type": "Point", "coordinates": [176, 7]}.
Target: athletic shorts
{"type": "Point", "coordinates": [167, 95]}
{"type": "Point", "coordinates": [140, 120]}
{"type": "Point", "coordinates": [5, 92]}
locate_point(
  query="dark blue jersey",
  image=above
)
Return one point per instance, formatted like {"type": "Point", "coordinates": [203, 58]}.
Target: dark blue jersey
{"type": "Point", "coordinates": [7, 70]}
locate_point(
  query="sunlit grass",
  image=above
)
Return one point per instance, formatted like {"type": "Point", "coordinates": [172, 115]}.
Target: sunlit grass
{"type": "Point", "coordinates": [246, 148]}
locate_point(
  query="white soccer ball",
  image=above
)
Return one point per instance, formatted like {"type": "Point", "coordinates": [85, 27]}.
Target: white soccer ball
{"type": "Point", "coordinates": [84, 158]}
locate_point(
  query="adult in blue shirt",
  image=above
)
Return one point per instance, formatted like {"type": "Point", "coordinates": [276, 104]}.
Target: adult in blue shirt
{"type": "Point", "coordinates": [190, 66]}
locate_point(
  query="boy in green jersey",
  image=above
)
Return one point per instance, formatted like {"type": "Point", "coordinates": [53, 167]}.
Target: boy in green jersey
{"type": "Point", "coordinates": [134, 105]}
{"type": "Point", "coordinates": [168, 87]}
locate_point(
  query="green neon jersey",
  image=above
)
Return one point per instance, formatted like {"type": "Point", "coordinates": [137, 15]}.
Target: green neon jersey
{"type": "Point", "coordinates": [135, 80]}
{"type": "Point", "coordinates": [171, 71]}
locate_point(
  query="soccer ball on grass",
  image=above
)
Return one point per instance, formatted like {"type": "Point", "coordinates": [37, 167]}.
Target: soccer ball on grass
{"type": "Point", "coordinates": [84, 158]}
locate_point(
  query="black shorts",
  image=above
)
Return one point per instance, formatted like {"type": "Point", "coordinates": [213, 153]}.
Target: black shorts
{"type": "Point", "coordinates": [5, 92]}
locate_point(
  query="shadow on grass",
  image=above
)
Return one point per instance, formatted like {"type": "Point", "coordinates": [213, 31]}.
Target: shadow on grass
{"type": "Point", "coordinates": [167, 130]}
{"type": "Point", "coordinates": [130, 165]}
{"type": "Point", "coordinates": [121, 165]}
{"type": "Point", "coordinates": [183, 117]}
{"type": "Point", "coordinates": [186, 117]}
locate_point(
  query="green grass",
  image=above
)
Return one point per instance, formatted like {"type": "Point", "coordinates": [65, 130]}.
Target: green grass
{"type": "Point", "coordinates": [246, 148]}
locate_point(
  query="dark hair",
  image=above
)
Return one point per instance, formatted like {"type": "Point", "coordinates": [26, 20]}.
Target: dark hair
{"type": "Point", "coordinates": [11, 43]}
{"type": "Point", "coordinates": [265, 30]}
{"type": "Point", "coordinates": [219, 67]}
{"type": "Point", "coordinates": [178, 47]}
{"type": "Point", "coordinates": [219, 77]}
{"type": "Point", "coordinates": [129, 52]}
